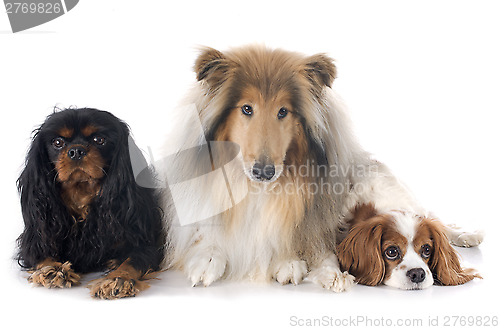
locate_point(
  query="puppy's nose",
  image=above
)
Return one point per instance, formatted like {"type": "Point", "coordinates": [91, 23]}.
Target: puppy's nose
{"type": "Point", "coordinates": [263, 172]}
{"type": "Point", "coordinates": [416, 275]}
{"type": "Point", "coordinates": [76, 153]}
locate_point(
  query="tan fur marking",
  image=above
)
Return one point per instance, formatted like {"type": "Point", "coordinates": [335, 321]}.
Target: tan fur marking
{"type": "Point", "coordinates": [53, 274]}
{"type": "Point", "coordinates": [89, 130]}
{"type": "Point", "coordinates": [66, 132]}
{"type": "Point", "coordinates": [124, 281]}
{"type": "Point", "coordinates": [80, 181]}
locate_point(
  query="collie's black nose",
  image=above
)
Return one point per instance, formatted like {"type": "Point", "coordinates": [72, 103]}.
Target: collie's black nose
{"type": "Point", "coordinates": [76, 153]}
{"type": "Point", "coordinates": [263, 172]}
{"type": "Point", "coordinates": [416, 275]}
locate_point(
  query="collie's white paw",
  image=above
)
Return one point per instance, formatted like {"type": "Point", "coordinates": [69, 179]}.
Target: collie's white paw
{"type": "Point", "coordinates": [290, 272]}
{"type": "Point", "coordinates": [331, 278]}
{"type": "Point", "coordinates": [468, 239]}
{"type": "Point", "coordinates": [206, 269]}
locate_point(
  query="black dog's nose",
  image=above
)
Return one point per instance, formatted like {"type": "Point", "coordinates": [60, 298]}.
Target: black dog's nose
{"type": "Point", "coordinates": [263, 172]}
{"type": "Point", "coordinates": [76, 153]}
{"type": "Point", "coordinates": [416, 275]}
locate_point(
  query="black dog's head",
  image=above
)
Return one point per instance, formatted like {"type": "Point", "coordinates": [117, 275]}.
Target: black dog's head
{"type": "Point", "coordinates": [79, 171]}
{"type": "Point", "coordinates": [80, 144]}
{"type": "Point", "coordinates": [77, 150]}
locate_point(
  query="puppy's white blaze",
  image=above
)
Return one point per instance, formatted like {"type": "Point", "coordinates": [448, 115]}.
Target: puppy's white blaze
{"type": "Point", "coordinates": [407, 225]}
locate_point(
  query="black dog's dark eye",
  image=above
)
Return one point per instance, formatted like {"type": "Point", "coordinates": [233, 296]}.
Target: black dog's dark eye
{"type": "Point", "coordinates": [282, 113]}
{"type": "Point", "coordinates": [99, 140]}
{"type": "Point", "coordinates": [247, 110]}
{"type": "Point", "coordinates": [426, 251]}
{"type": "Point", "coordinates": [58, 143]}
{"type": "Point", "coordinates": [392, 253]}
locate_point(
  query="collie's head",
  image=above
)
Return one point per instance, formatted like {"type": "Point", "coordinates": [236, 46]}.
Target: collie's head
{"type": "Point", "coordinates": [263, 100]}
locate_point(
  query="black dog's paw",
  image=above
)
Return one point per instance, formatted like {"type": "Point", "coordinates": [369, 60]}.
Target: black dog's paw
{"type": "Point", "coordinates": [124, 281]}
{"type": "Point", "coordinates": [53, 274]}
{"type": "Point", "coordinates": [117, 287]}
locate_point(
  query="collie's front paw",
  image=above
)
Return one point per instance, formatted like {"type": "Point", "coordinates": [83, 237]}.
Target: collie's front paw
{"type": "Point", "coordinates": [53, 274]}
{"type": "Point", "coordinates": [206, 269]}
{"type": "Point", "coordinates": [290, 272]}
{"type": "Point", "coordinates": [468, 239]}
{"type": "Point", "coordinates": [461, 238]}
{"type": "Point", "coordinates": [332, 278]}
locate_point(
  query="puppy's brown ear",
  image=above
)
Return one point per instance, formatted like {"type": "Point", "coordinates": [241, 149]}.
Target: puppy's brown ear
{"type": "Point", "coordinates": [360, 252]}
{"type": "Point", "coordinates": [320, 70]}
{"type": "Point", "coordinates": [444, 261]}
{"type": "Point", "coordinates": [212, 66]}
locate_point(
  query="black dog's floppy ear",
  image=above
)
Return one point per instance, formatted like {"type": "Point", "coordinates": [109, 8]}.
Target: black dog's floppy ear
{"type": "Point", "coordinates": [40, 202]}
{"type": "Point", "coordinates": [212, 66]}
{"type": "Point", "coordinates": [320, 70]}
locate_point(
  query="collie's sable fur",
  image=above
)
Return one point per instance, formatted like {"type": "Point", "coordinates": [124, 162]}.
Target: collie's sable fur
{"type": "Point", "coordinates": [279, 108]}
{"type": "Point", "coordinates": [83, 210]}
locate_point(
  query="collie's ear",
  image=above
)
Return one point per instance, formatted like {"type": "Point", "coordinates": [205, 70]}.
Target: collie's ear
{"type": "Point", "coordinates": [444, 262]}
{"type": "Point", "coordinates": [212, 66]}
{"type": "Point", "coordinates": [320, 70]}
{"type": "Point", "coordinates": [360, 252]}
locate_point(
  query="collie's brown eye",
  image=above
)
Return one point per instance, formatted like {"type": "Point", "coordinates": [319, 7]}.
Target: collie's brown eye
{"type": "Point", "coordinates": [58, 143]}
{"type": "Point", "coordinates": [392, 253]}
{"type": "Point", "coordinates": [99, 140]}
{"type": "Point", "coordinates": [426, 251]}
{"type": "Point", "coordinates": [282, 113]}
{"type": "Point", "coordinates": [247, 110]}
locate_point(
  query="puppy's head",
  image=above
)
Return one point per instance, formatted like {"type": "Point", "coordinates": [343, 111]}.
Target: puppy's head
{"type": "Point", "coordinates": [262, 94]}
{"type": "Point", "coordinates": [401, 250]}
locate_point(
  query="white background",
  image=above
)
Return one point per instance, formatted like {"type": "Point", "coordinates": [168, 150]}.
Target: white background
{"type": "Point", "coordinates": [421, 78]}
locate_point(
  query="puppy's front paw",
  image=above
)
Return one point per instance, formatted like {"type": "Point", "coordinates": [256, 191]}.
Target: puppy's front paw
{"type": "Point", "coordinates": [116, 287]}
{"type": "Point", "coordinates": [290, 272]}
{"type": "Point", "coordinates": [332, 278]}
{"type": "Point", "coordinates": [206, 269]}
{"type": "Point", "coordinates": [52, 274]}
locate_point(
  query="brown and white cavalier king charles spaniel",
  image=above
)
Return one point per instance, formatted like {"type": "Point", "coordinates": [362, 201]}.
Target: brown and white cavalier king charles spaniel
{"type": "Point", "coordinates": [400, 249]}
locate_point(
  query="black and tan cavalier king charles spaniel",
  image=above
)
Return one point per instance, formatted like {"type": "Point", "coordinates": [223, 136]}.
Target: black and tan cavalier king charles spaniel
{"type": "Point", "coordinates": [83, 210]}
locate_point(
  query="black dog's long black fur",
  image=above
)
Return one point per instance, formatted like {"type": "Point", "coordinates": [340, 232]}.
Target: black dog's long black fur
{"type": "Point", "coordinates": [124, 221]}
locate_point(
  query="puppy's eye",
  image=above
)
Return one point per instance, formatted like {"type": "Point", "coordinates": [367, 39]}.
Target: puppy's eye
{"type": "Point", "coordinates": [247, 110]}
{"type": "Point", "coordinates": [282, 113]}
{"type": "Point", "coordinates": [392, 253]}
{"type": "Point", "coordinates": [426, 251]}
{"type": "Point", "coordinates": [58, 143]}
{"type": "Point", "coordinates": [99, 140]}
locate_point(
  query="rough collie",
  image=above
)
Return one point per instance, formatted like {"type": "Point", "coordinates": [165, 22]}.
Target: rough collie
{"type": "Point", "coordinates": [275, 207]}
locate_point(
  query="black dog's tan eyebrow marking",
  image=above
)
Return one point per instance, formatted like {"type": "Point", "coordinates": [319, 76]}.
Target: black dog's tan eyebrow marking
{"type": "Point", "coordinates": [66, 132]}
{"type": "Point", "coordinates": [89, 130]}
